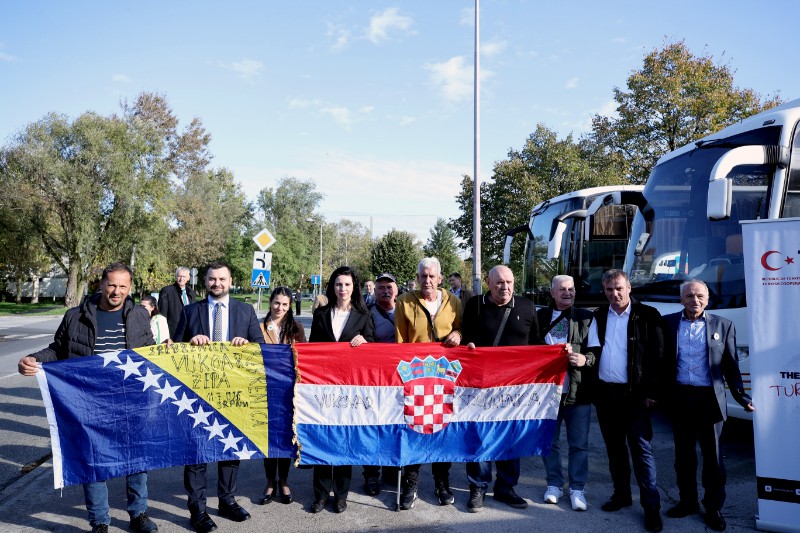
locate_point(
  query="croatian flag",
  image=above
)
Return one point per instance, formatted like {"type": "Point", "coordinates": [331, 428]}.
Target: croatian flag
{"type": "Point", "coordinates": [400, 404]}
{"type": "Point", "coordinates": [130, 411]}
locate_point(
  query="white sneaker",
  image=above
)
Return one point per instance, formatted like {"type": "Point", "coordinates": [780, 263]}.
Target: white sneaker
{"type": "Point", "coordinates": [552, 494]}
{"type": "Point", "coordinates": [578, 500]}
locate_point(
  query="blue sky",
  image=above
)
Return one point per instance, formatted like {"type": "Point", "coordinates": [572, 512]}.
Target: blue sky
{"type": "Point", "coordinates": [371, 99]}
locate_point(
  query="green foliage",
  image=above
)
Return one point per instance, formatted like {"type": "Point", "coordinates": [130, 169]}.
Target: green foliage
{"type": "Point", "coordinates": [442, 245]}
{"type": "Point", "coordinates": [396, 253]}
{"type": "Point", "coordinates": [544, 168]}
{"type": "Point", "coordinates": [285, 211]}
{"type": "Point", "coordinates": [675, 98]}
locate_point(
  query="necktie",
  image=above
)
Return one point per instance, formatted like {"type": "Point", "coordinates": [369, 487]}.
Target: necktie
{"type": "Point", "coordinates": [184, 298]}
{"type": "Point", "coordinates": [216, 336]}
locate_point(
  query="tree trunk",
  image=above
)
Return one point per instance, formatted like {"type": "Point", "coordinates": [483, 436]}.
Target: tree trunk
{"type": "Point", "coordinates": [71, 296]}
{"type": "Point", "coordinates": [18, 299]}
{"type": "Point", "coordinates": [35, 297]}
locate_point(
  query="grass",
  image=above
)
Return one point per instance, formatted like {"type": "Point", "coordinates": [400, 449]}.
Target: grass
{"type": "Point", "coordinates": [40, 309]}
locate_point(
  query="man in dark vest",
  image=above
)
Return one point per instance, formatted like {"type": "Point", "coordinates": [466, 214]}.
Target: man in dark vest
{"type": "Point", "coordinates": [562, 323]}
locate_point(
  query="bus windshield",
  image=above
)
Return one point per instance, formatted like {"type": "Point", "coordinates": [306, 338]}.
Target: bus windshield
{"type": "Point", "coordinates": [672, 239]}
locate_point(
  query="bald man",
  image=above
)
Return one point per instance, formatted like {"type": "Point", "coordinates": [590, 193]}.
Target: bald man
{"type": "Point", "coordinates": [498, 319]}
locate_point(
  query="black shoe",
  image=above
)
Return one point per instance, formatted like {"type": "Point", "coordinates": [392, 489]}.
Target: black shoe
{"type": "Point", "coordinates": [715, 520]}
{"type": "Point", "coordinates": [682, 510]}
{"type": "Point", "coordinates": [408, 494]}
{"type": "Point", "coordinates": [317, 506]}
{"type": "Point", "coordinates": [100, 528]}
{"type": "Point", "coordinates": [372, 486]}
{"type": "Point", "coordinates": [267, 498]}
{"type": "Point", "coordinates": [443, 493]}
{"type": "Point", "coordinates": [476, 496]}
{"type": "Point", "coordinates": [234, 512]}
{"type": "Point", "coordinates": [615, 503]}
{"type": "Point", "coordinates": [652, 520]}
{"type": "Point", "coordinates": [202, 523]}
{"type": "Point", "coordinates": [286, 499]}
{"type": "Point", "coordinates": [142, 524]}
{"type": "Point", "coordinates": [510, 497]}
{"type": "Point", "coordinates": [340, 506]}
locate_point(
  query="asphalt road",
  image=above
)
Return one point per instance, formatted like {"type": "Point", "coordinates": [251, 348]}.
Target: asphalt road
{"type": "Point", "coordinates": [29, 503]}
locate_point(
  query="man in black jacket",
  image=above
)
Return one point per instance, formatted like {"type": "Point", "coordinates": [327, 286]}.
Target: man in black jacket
{"type": "Point", "coordinates": [632, 345]}
{"type": "Point", "coordinates": [498, 319]}
{"type": "Point", "coordinates": [173, 298]}
{"type": "Point", "coordinates": [104, 322]}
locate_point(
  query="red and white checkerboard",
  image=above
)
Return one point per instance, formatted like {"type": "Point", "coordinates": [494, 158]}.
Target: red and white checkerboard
{"type": "Point", "coordinates": [428, 404]}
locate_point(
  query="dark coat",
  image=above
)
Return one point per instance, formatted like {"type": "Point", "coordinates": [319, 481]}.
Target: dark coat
{"type": "Point", "coordinates": [723, 363]}
{"type": "Point", "coordinates": [581, 378]}
{"type": "Point", "coordinates": [242, 322]}
{"type": "Point", "coordinates": [171, 306]}
{"type": "Point", "coordinates": [645, 348]}
{"type": "Point", "coordinates": [77, 333]}
{"type": "Point", "coordinates": [358, 323]}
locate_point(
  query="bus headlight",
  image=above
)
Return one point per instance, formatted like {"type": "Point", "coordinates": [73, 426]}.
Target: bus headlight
{"type": "Point", "coordinates": [743, 352]}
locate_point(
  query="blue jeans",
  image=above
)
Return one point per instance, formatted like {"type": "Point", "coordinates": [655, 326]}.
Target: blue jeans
{"type": "Point", "coordinates": [480, 474]}
{"type": "Point", "coordinates": [96, 496]}
{"type": "Point", "coordinates": [576, 419]}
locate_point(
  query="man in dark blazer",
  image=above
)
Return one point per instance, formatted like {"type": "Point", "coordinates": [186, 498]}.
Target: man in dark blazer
{"type": "Point", "coordinates": [172, 298]}
{"type": "Point", "coordinates": [217, 318]}
{"type": "Point", "coordinates": [699, 359]}
{"type": "Point", "coordinates": [457, 288]}
{"type": "Point", "coordinates": [632, 343]}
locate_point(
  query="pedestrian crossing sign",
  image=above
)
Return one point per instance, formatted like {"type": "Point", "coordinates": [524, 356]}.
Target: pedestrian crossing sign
{"type": "Point", "coordinates": [260, 278]}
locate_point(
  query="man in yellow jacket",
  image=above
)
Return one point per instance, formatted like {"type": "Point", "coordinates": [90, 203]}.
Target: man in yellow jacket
{"type": "Point", "coordinates": [429, 314]}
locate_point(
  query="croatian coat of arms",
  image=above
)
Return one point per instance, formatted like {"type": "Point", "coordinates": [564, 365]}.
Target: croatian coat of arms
{"type": "Point", "coordinates": [428, 386]}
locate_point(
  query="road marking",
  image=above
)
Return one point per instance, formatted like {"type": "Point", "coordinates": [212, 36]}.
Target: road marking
{"type": "Point", "coordinates": [39, 336]}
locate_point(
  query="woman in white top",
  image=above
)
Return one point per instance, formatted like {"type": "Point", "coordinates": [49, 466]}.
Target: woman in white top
{"type": "Point", "coordinates": [158, 322]}
{"type": "Point", "coordinates": [344, 319]}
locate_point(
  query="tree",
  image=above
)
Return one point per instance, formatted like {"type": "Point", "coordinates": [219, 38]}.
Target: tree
{"type": "Point", "coordinates": [95, 187]}
{"type": "Point", "coordinates": [396, 253]}
{"type": "Point", "coordinates": [211, 216]}
{"type": "Point", "coordinates": [442, 245]}
{"type": "Point", "coordinates": [285, 210]}
{"type": "Point", "coordinates": [544, 168]}
{"type": "Point", "coordinates": [675, 98]}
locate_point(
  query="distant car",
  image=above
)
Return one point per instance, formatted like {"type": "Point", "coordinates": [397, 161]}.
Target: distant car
{"type": "Point", "coordinates": [308, 297]}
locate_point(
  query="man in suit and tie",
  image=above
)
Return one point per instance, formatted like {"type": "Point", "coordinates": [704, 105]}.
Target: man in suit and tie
{"type": "Point", "coordinates": [217, 318]}
{"type": "Point", "coordinates": [173, 298]}
{"type": "Point", "coordinates": [699, 359]}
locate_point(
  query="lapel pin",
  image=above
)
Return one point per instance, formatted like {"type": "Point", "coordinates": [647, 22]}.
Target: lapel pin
{"type": "Point", "coordinates": [715, 336]}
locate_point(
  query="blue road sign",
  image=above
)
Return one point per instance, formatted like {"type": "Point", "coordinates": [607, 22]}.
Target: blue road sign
{"type": "Point", "coordinates": [260, 278]}
{"type": "Point", "coordinates": [315, 279]}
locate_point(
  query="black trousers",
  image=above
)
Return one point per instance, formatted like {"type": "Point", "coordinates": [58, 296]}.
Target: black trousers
{"type": "Point", "coordinates": [441, 471]}
{"type": "Point", "coordinates": [336, 478]}
{"type": "Point", "coordinates": [194, 480]}
{"type": "Point", "coordinates": [627, 430]}
{"type": "Point", "coordinates": [389, 473]}
{"type": "Point", "coordinates": [696, 419]}
{"type": "Point", "coordinates": [281, 466]}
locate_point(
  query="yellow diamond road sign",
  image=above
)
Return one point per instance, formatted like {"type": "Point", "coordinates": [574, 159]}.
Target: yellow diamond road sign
{"type": "Point", "coordinates": [264, 239]}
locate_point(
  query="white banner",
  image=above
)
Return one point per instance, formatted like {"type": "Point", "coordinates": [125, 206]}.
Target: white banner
{"type": "Point", "coordinates": [772, 272]}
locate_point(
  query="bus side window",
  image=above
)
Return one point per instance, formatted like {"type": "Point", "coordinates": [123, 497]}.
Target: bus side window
{"type": "Point", "coordinates": [791, 204]}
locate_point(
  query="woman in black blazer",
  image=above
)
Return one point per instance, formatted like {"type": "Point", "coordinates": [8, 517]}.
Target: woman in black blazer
{"type": "Point", "coordinates": [344, 319]}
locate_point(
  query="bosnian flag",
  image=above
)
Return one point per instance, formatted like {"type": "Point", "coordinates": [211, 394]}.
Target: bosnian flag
{"type": "Point", "coordinates": [130, 411]}
{"type": "Point", "coordinates": [400, 404]}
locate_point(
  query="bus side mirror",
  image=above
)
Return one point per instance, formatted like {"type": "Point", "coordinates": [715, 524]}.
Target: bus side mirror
{"type": "Point", "coordinates": [719, 199]}
{"type": "Point", "coordinates": [554, 245]}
